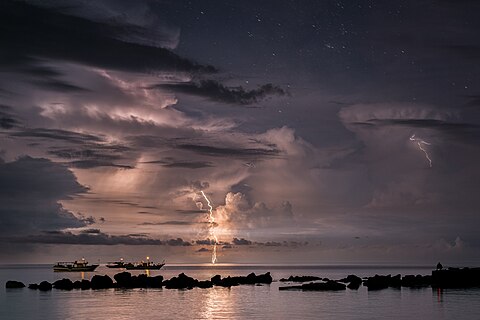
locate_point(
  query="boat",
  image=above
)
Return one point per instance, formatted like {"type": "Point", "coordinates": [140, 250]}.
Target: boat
{"type": "Point", "coordinates": [117, 264]}
{"type": "Point", "coordinates": [144, 265]}
{"type": "Point", "coordinates": [74, 266]}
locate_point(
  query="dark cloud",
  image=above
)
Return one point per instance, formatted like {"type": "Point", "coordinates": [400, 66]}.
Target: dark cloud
{"type": "Point", "coordinates": [45, 31]}
{"type": "Point", "coordinates": [459, 130]}
{"type": "Point", "coordinates": [30, 191]}
{"type": "Point", "coordinates": [58, 134]}
{"type": "Point", "coordinates": [86, 238]}
{"type": "Point", "coordinates": [172, 163]}
{"type": "Point", "coordinates": [205, 242]}
{"type": "Point", "coordinates": [58, 85]}
{"type": "Point", "coordinates": [88, 164]}
{"type": "Point", "coordinates": [173, 223]}
{"type": "Point", "coordinates": [7, 120]}
{"type": "Point", "coordinates": [178, 242]}
{"type": "Point", "coordinates": [241, 242]}
{"type": "Point", "coordinates": [229, 152]}
{"type": "Point", "coordinates": [216, 91]}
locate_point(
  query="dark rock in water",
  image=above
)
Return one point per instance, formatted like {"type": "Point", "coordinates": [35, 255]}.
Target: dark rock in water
{"type": "Point", "coordinates": [85, 285]}
{"type": "Point", "coordinates": [45, 286]}
{"type": "Point", "coordinates": [205, 284]}
{"type": "Point", "coordinates": [124, 280]}
{"type": "Point", "coordinates": [456, 278]}
{"type": "Point", "coordinates": [330, 285]}
{"type": "Point", "coordinates": [101, 282]}
{"type": "Point", "coordinates": [155, 282]}
{"type": "Point", "coordinates": [300, 279]}
{"type": "Point", "coordinates": [353, 281]}
{"type": "Point", "coordinates": [11, 284]}
{"type": "Point", "coordinates": [264, 278]}
{"type": "Point", "coordinates": [64, 284]}
{"type": "Point", "coordinates": [216, 279]}
{"type": "Point", "coordinates": [181, 282]}
{"type": "Point", "coordinates": [33, 286]}
{"type": "Point", "coordinates": [382, 282]}
{"type": "Point", "coordinates": [417, 281]}
{"type": "Point", "coordinates": [77, 284]}
{"type": "Point", "coordinates": [252, 278]}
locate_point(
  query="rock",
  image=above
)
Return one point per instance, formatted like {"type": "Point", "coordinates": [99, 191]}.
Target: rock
{"type": "Point", "coordinates": [417, 281]}
{"type": "Point", "coordinates": [45, 286]}
{"type": "Point", "coordinates": [216, 279]}
{"type": "Point", "coordinates": [124, 280]}
{"type": "Point", "coordinates": [64, 284]}
{"type": "Point", "coordinates": [456, 278]}
{"type": "Point", "coordinates": [101, 282]}
{"type": "Point", "coordinates": [85, 285]}
{"type": "Point", "coordinates": [330, 285]}
{"type": "Point", "coordinates": [353, 281]}
{"type": "Point", "coordinates": [252, 278]}
{"type": "Point", "coordinates": [382, 282]}
{"type": "Point", "coordinates": [11, 284]}
{"type": "Point", "coordinates": [155, 282]}
{"type": "Point", "coordinates": [205, 284]}
{"type": "Point", "coordinates": [181, 282]}
{"type": "Point", "coordinates": [77, 284]}
{"type": "Point", "coordinates": [33, 286]}
{"type": "Point", "coordinates": [300, 279]}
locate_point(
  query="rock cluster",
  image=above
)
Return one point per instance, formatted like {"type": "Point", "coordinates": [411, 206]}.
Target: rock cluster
{"type": "Point", "coordinates": [329, 285]}
{"type": "Point", "coordinates": [300, 279]}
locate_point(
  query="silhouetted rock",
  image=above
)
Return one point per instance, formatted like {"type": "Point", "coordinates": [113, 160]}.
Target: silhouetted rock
{"type": "Point", "coordinates": [252, 278]}
{"type": "Point", "coordinates": [456, 278]}
{"type": "Point", "coordinates": [382, 282]}
{"type": "Point", "coordinates": [155, 282]}
{"type": "Point", "coordinates": [33, 286]}
{"type": "Point", "coordinates": [64, 284]}
{"type": "Point", "coordinates": [205, 284]}
{"type": "Point", "coordinates": [417, 281]}
{"type": "Point", "coordinates": [318, 286]}
{"type": "Point", "coordinates": [124, 280]}
{"type": "Point", "coordinates": [45, 286]}
{"type": "Point", "coordinates": [77, 284]}
{"type": "Point", "coordinates": [11, 284]}
{"type": "Point", "coordinates": [216, 279]}
{"type": "Point", "coordinates": [353, 281]}
{"type": "Point", "coordinates": [181, 282]}
{"type": "Point", "coordinates": [85, 285]}
{"type": "Point", "coordinates": [300, 279]}
{"type": "Point", "coordinates": [101, 282]}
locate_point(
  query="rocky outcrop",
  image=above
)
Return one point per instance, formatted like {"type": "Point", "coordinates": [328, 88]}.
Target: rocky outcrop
{"type": "Point", "coordinates": [11, 284]}
{"type": "Point", "coordinates": [64, 284]}
{"type": "Point", "coordinates": [354, 282]}
{"type": "Point", "coordinates": [101, 282]}
{"type": "Point", "coordinates": [456, 278]}
{"type": "Point", "coordinates": [182, 281]}
{"type": "Point", "coordinates": [417, 281]}
{"type": "Point", "coordinates": [45, 286]}
{"type": "Point", "coordinates": [252, 278]}
{"type": "Point", "coordinates": [300, 279]}
{"type": "Point", "coordinates": [126, 280]}
{"type": "Point", "coordinates": [378, 282]}
{"type": "Point", "coordinates": [329, 285]}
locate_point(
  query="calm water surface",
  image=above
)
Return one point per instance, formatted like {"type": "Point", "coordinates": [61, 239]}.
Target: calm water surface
{"type": "Point", "coordinates": [242, 302]}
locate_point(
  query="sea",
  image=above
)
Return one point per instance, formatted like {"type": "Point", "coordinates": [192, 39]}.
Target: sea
{"type": "Point", "coordinates": [241, 302]}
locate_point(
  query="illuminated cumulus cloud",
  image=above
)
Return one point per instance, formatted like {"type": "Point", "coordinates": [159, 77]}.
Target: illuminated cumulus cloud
{"type": "Point", "coordinates": [238, 213]}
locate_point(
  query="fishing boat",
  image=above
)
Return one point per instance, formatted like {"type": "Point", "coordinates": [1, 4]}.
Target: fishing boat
{"type": "Point", "coordinates": [74, 266]}
{"type": "Point", "coordinates": [144, 265]}
{"type": "Point", "coordinates": [117, 264]}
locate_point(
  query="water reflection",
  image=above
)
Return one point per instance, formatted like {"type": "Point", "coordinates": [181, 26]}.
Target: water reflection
{"type": "Point", "coordinates": [218, 304]}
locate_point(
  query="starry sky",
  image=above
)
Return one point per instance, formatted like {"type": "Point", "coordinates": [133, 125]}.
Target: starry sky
{"type": "Point", "coordinates": [321, 131]}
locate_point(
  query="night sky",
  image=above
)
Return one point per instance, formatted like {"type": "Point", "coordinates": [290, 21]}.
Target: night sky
{"type": "Point", "coordinates": [321, 131]}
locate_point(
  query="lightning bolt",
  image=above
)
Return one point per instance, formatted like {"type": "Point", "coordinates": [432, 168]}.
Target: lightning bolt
{"type": "Point", "coordinates": [211, 221]}
{"type": "Point", "coordinates": [420, 144]}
